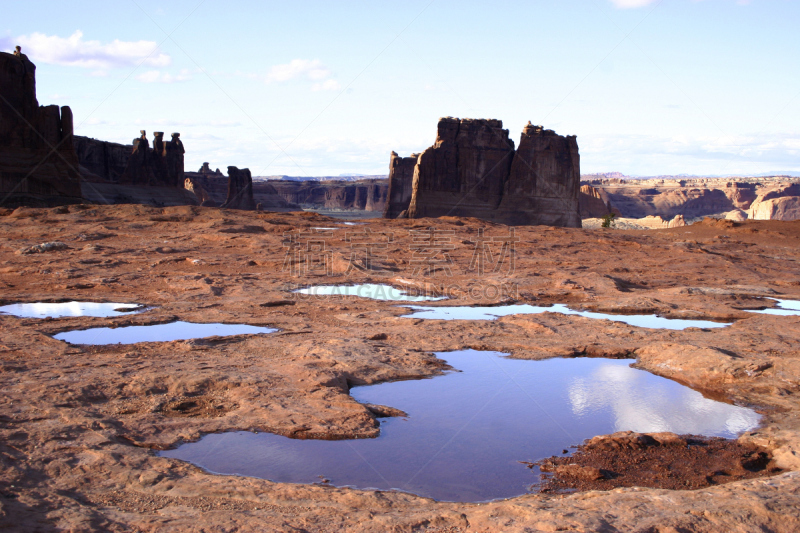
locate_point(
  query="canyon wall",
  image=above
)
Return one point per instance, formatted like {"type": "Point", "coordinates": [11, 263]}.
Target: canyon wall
{"type": "Point", "coordinates": [365, 195]}
{"type": "Point", "coordinates": [38, 163]}
{"type": "Point", "coordinates": [474, 170]}
{"type": "Point", "coordinates": [212, 190]}
{"type": "Point", "coordinates": [734, 198]}
{"type": "Point", "coordinates": [101, 160]}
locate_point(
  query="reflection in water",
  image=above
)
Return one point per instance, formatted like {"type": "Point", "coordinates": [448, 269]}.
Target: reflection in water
{"type": "Point", "coordinates": [369, 290]}
{"type": "Point", "coordinates": [174, 331]}
{"type": "Point", "coordinates": [658, 406]}
{"type": "Point", "coordinates": [491, 313]}
{"type": "Point", "coordinates": [784, 308]}
{"type": "Point", "coordinates": [63, 309]}
{"type": "Point", "coordinates": [467, 430]}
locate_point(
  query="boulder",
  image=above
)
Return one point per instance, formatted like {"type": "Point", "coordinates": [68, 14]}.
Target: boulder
{"type": "Point", "coordinates": [737, 215]}
{"type": "Point", "coordinates": [677, 222]}
{"type": "Point", "coordinates": [38, 163]}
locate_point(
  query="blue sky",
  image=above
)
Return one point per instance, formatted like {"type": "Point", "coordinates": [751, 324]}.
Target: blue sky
{"type": "Point", "coordinates": [324, 88]}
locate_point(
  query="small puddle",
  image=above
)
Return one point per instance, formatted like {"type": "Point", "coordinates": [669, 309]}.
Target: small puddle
{"type": "Point", "coordinates": [64, 309]}
{"type": "Point", "coordinates": [467, 430]}
{"type": "Point", "coordinates": [491, 313]}
{"type": "Point", "coordinates": [784, 308]}
{"type": "Point", "coordinates": [173, 331]}
{"type": "Point", "coordinates": [369, 290]}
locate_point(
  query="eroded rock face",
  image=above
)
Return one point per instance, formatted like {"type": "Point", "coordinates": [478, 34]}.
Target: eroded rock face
{"type": "Point", "coordinates": [779, 203]}
{"type": "Point", "coordinates": [101, 159]}
{"type": "Point", "coordinates": [160, 166]}
{"type": "Point", "coordinates": [465, 172]}
{"type": "Point", "coordinates": [544, 182]}
{"type": "Point", "coordinates": [473, 170]}
{"type": "Point", "coordinates": [38, 163]}
{"type": "Point", "coordinates": [240, 190]}
{"type": "Point", "coordinates": [401, 177]}
{"type": "Point", "coordinates": [366, 195]}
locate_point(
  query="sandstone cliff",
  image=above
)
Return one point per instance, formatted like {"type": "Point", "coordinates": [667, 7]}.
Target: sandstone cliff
{"type": "Point", "coordinates": [544, 182]}
{"type": "Point", "coordinates": [465, 172]}
{"type": "Point", "coordinates": [365, 195]}
{"type": "Point", "coordinates": [473, 170]}
{"type": "Point", "coordinates": [101, 159]}
{"type": "Point", "coordinates": [593, 203]}
{"type": "Point", "coordinates": [211, 189]}
{"type": "Point", "coordinates": [38, 163]}
{"type": "Point", "coordinates": [401, 177]}
{"type": "Point", "coordinates": [778, 203]}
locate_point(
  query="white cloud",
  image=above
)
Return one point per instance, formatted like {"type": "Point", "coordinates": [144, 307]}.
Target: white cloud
{"type": "Point", "coordinates": [74, 51]}
{"type": "Point", "coordinates": [327, 85]}
{"type": "Point", "coordinates": [157, 76]}
{"type": "Point", "coordinates": [629, 4]}
{"type": "Point", "coordinates": [306, 70]}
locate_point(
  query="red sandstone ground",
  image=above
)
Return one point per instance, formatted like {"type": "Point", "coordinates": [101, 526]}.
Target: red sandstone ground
{"type": "Point", "coordinates": [78, 424]}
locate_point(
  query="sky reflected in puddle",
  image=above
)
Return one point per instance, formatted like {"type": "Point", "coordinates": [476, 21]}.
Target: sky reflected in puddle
{"type": "Point", "coordinates": [784, 308]}
{"type": "Point", "coordinates": [491, 313]}
{"type": "Point", "coordinates": [467, 431]}
{"type": "Point", "coordinates": [369, 290]}
{"type": "Point", "coordinates": [64, 309]}
{"type": "Point", "coordinates": [173, 331]}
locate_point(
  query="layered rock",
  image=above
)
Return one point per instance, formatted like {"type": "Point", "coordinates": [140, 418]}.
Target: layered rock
{"type": "Point", "coordinates": [240, 190]}
{"type": "Point", "coordinates": [211, 189]}
{"type": "Point", "coordinates": [593, 203]}
{"type": "Point", "coordinates": [778, 203]}
{"type": "Point", "coordinates": [160, 166]}
{"type": "Point", "coordinates": [465, 172]}
{"type": "Point", "coordinates": [473, 170]}
{"type": "Point", "coordinates": [101, 160]}
{"type": "Point", "coordinates": [366, 195]}
{"type": "Point", "coordinates": [38, 163]}
{"type": "Point", "coordinates": [544, 182]}
{"type": "Point", "coordinates": [401, 177]}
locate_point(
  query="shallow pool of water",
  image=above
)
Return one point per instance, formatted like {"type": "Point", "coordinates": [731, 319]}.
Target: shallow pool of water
{"type": "Point", "coordinates": [63, 309]}
{"type": "Point", "coordinates": [369, 290]}
{"type": "Point", "coordinates": [491, 313]}
{"type": "Point", "coordinates": [173, 331]}
{"type": "Point", "coordinates": [467, 430]}
{"type": "Point", "coordinates": [784, 308]}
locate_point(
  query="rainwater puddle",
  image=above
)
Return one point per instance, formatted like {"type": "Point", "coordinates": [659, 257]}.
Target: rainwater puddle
{"type": "Point", "coordinates": [369, 290]}
{"type": "Point", "coordinates": [64, 309]}
{"type": "Point", "coordinates": [467, 431]}
{"type": "Point", "coordinates": [491, 313]}
{"type": "Point", "coordinates": [785, 308]}
{"type": "Point", "coordinates": [173, 331]}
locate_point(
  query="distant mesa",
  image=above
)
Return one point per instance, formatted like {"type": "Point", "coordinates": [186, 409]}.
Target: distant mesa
{"type": "Point", "coordinates": [38, 163]}
{"type": "Point", "coordinates": [473, 170]}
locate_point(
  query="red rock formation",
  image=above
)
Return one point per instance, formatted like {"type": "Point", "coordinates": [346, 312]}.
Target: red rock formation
{"type": "Point", "coordinates": [240, 190]}
{"type": "Point", "coordinates": [101, 159]}
{"type": "Point", "coordinates": [367, 195]}
{"type": "Point", "coordinates": [778, 203]}
{"type": "Point", "coordinates": [38, 163]}
{"type": "Point", "coordinates": [401, 177]}
{"type": "Point", "coordinates": [473, 170]}
{"type": "Point", "coordinates": [464, 172]}
{"type": "Point", "coordinates": [593, 204]}
{"type": "Point", "coordinates": [160, 166]}
{"type": "Point", "coordinates": [545, 181]}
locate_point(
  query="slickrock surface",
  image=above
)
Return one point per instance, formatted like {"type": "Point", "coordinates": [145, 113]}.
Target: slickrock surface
{"type": "Point", "coordinates": [38, 163]}
{"type": "Point", "coordinates": [79, 424]}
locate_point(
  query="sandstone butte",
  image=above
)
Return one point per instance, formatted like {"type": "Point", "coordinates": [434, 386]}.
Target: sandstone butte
{"type": "Point", "coordinates": [473, 170]}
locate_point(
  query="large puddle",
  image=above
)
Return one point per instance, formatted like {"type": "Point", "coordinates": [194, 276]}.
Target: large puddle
{"type": "Point", "coordinates": [63, 309]}
{"type": "Point", "coordinates": [467, 431]}
{"type": "Point", "coordinates": [491, 313]}
{"type": "Point", "coordinates": [368, 290]}
{"type": "Point", "coordinates": [173, 331]}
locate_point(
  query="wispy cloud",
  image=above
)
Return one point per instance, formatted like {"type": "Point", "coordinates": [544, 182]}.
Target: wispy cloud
{"type": "Point", "coordinates": [74, 51]}
{"type": "Point", "coordinates": [629, 4]}
{"type": "Point", "coordinates": [158, 76]}
{"type": "Point", "coordinates": [311, 70]}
